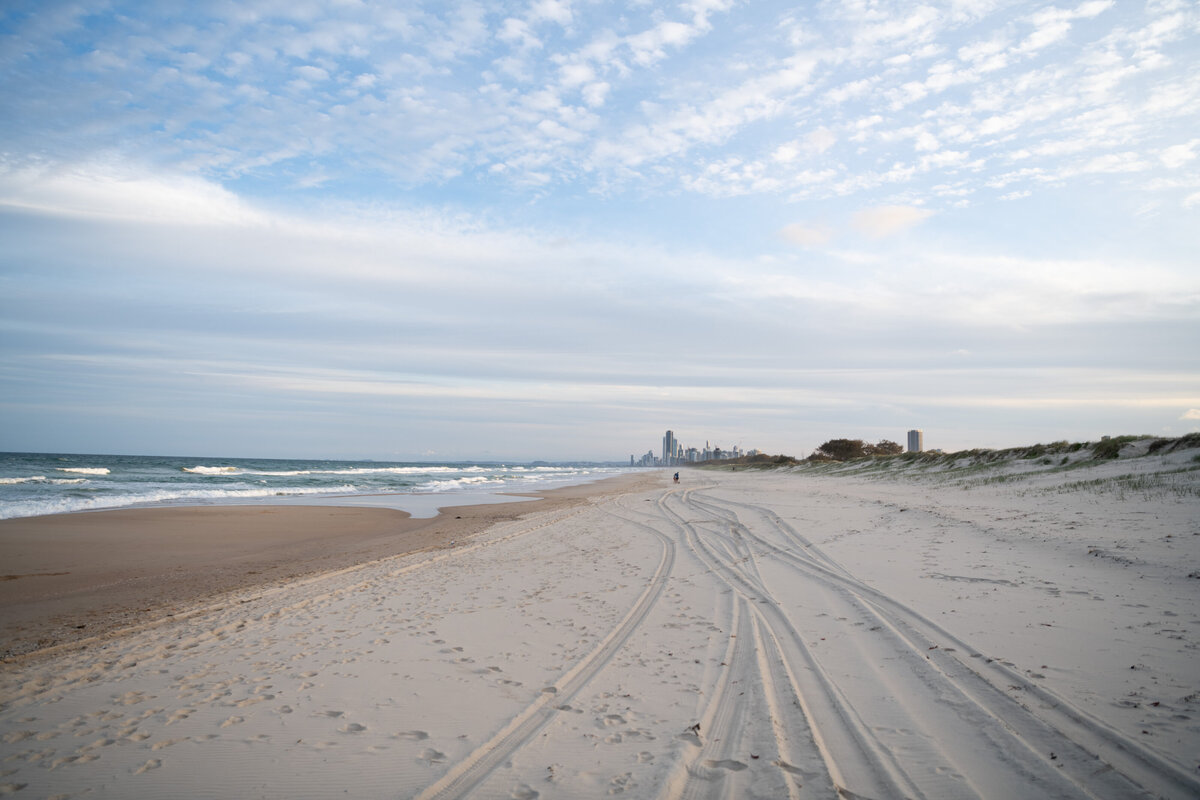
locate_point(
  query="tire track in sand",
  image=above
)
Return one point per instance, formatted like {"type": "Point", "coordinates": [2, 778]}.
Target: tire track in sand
{"type": "Point", "coordinates": [851, 754]}
{"type": "Point", "coordinates": [751, 681]}
{"type": "Point", "coordinates": [1098, 761]}
{"type": "Point", "coordinates": [476, 767]}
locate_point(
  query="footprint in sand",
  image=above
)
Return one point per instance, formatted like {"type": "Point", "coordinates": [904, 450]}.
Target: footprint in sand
{"type": "Point", "coordinates": [431, 756]}
{"type": "Point", "coordinates": [523, 791]}
{"type": "Point", "coordinates": [416, 736]}
{"type": "Point", "coordinates": [153, 763]}
{"type": "Point", "coordinates": [352, 727]}
{"type": "Point", "coordinates": [249, 701]}
{"type": "Point", "coordinates": [167, 743]}
{"type": "Point", "coordinates": [98, 743]}
{"type": "Point", "coordinates": [726, 763]}
{"type": "Point", "coordinates": [620, 783]}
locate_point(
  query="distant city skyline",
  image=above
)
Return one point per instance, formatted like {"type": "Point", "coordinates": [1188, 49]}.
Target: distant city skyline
{"type": "Point", "coordinates": [519, 231]}
{"type": "Point", "coordinates": [674, 452]}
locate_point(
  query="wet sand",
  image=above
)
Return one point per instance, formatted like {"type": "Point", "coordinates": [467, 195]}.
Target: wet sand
{"type": "Point", "coordinates": [68, 577]}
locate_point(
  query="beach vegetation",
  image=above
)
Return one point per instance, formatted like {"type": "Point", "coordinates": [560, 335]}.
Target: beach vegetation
{"type": "Point", "coordinates": [843, 449]}
{"type": "Point", "coordinates": [970, 469]}
{"type": "Point", "coordinates": [851, 449]}
{"type": "Point", "coordinates": [1169, 483]}
{"type": "Point", "coordinates": [1111, 448]}
{"type": "Point", "coordinates": [756, 461]}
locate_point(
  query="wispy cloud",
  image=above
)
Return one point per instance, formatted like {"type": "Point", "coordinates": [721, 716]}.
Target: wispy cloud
{"type": "Point", "coordinates": [806, 235]}
{"type": "Point", "coordinates": [889, 220]}
{"type": "Point", "coordinates": [115, 192]}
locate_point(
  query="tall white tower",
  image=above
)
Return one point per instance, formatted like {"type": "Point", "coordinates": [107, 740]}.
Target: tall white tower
{"type": "Point", "coordinates": [916, 441]}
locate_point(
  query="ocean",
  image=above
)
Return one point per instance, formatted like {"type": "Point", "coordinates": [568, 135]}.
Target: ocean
{"type": "Point", "coordinates": [34, 484]}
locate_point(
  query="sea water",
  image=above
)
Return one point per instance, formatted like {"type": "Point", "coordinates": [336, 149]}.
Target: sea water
{"type": "Point", "coordinates": [33, 484]}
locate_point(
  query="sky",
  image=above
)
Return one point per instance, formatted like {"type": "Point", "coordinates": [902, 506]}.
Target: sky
{"type": "Point", "coordinates": [554, 229]}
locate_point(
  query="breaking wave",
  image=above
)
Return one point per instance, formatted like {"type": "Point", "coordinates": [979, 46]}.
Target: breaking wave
{"type": "Point", "coordinates": [41, 479]}
{"type": "Point", "coordinates": [64, 505]}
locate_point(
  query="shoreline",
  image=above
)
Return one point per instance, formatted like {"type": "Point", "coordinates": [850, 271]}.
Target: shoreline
{"type": "Point", "coordinates": [86, 575]}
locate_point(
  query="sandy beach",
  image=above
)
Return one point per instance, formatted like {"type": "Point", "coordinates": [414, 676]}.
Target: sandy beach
{"type": "Point", "coordinates": [1021, 630]}
{"type": "Point", "coordinates": [68, 577]}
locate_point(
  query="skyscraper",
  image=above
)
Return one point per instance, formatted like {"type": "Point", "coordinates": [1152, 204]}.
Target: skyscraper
{"type": "Point", "coordinates": [916, 441]}
{"type": "Point", "coordinates": [670, 445]}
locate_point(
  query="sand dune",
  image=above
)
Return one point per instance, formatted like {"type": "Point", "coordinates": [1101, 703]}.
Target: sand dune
{"type": "Point", "coordinates": [738, 635]}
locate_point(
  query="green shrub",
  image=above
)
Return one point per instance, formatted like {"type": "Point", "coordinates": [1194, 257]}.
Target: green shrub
{"type": "Point", "coordinates": [1111, 448]}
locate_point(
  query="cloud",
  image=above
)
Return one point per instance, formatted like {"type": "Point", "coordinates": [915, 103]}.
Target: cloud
{"type": "Point", "coordinates": [1191, 413]}
{"type": "Point", "coordinates": [446, 92]}
{"type": "Point", "coordinates": [122, 192]}
{"type": "Point", "coordinates": [406, 316]}
{"type": "Point", "coordinates": [888, 220]}
{"type": "Point", "coordinates": [821, 140]}
{"type": "Point", "coordinates": [558, 11]}
{"type": "Point", "coordinates": [1052, 24]}
{"type": "Point", "coordinates": [806, 235]}
{"type": "Point", "coordinates": [1176, 156]}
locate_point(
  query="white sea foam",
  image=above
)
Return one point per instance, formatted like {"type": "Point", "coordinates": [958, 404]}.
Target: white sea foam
{"type": "Point", "coordinates": [458, 483]}
{"type": "Point", "coordinates": [230, 470]}
{"type": "Point", "coordinates": [30, 489]}
{"type": "Point", "coordinates": [41, 479]}
{"type": "Point", "coordinates": [64, 505]}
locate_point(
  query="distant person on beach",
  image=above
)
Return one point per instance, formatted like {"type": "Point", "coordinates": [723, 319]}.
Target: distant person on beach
{"type": "Point", "coordinates": [677, 477]}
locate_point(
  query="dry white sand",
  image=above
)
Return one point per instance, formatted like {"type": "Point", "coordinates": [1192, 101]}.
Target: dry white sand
{"type": "Point", "coordinates": [738, 635]}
